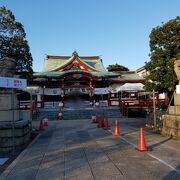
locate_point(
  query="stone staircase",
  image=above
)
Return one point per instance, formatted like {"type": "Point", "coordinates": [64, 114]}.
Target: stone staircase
{"type": "Point", "coordinates": [51, 114]}
{"type": "Point", "coordinates": [78, 114]}
{"type": "Point", "coordinates": [110, 112]}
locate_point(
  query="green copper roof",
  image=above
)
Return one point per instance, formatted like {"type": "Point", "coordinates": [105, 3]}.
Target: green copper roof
{"type": "Point", "coordinates": [61, 74]}
{"type": "Point", "coordinates": [127, 75]}
{"type": "Point", "coordinates": [52, 63]}
{"type": "Point", "coordinates": [54, 68]}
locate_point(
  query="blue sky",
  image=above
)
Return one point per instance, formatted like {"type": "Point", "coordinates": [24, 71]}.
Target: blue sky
{"type": "Point", "coordinates": [118, 30]}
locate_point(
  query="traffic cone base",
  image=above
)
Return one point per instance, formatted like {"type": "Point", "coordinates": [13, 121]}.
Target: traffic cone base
{"type": "Point", "coordinates": [116, 129]}
{"type": "Point", "coordinates": [142, 143]}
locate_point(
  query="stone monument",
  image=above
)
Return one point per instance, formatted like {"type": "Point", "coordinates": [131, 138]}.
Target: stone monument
{"type": "Point", "coordinates": [171, 121]}
{"type": "Point", "coordinates": [14, 131]}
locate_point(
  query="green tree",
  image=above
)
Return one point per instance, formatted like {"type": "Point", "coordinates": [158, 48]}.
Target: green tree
{"type": "Point", "coordinates": [13, 43]}
{"type": "Point", "coordinates": [164, 50]}
{"type": "Point", "coordinates": [117, 67]}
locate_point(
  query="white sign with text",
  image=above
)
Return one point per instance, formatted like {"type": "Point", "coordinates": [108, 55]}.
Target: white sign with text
{"type": "Point", "coordinates": [7, 82]}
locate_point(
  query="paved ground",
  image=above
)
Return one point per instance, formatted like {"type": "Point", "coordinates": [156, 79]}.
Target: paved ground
{"type": "Point", "coordinates": [79, 150]}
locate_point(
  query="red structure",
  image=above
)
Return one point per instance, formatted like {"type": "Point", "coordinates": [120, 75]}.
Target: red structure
{"type": "Point", "coordinates": [84, 76]}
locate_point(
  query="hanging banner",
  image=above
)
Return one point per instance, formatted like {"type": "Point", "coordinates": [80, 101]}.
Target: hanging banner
{"type": "Point", "coordinates": [35, 90]}
{"type": "Point", "coordinates": [6, 82]}
{"type": "Point", "coordinates": [52, 91]}
{"type": "Point", "coordinates": [101, 90]}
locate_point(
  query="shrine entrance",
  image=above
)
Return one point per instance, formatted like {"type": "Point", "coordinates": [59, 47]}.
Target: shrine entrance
{"type": "Point", "coordinates": [76, 98]}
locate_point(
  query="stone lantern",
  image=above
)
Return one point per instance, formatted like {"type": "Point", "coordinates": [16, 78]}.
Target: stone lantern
{"type": "Point", "coordinates": [171, 121]}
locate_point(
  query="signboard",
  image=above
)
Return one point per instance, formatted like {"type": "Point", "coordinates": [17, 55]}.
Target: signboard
{"type": "Point", "coordinates": [6, 82]}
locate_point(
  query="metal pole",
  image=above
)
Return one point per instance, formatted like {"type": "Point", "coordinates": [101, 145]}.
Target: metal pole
{"type": "Point", "coordinates": [13, 120]}
{"type": "Point", "coordinates": [154, 109]}
{"type": "Point", "coordinates": [31, 110]}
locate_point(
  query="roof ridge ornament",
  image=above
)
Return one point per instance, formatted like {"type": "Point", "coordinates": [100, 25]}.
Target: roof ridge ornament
{"type": "Point", "coordinates": [75, 54]}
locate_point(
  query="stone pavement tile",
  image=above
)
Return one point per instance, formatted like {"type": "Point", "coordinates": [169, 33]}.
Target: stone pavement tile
{"type": "Point", "coordinates": [55, 172]}
{"type": "Point", "coordinates": [57, 153]}
{"type": "Point", "coordinates": [93, 149]}
{"type": "Point", "coordinates": [116, 148]}
{"type": "Point", "coordinates": [37, 150]}
{"type": "Point", "coordinates": [23, 174]}
{"type": "Point", "coordinates": [90, 143]}
{"type": "Point", "coordinates": [97, 134]}
{"type": "Point", "coordinates": [57, 138]}
{"type": "Point", "coordinates": [113, 177]}
{"type": "Point", "coordinates": [52, 161]}
{"type": "Point", "coordinates": [56, 141]}
{"type": "Point", "coordinates": [97, 157]}
{"type": "Point", "coordinates": [89, 177]}
{"type": "Point", "coordinates": [171, 175]}
{"type": "Point", "coordinates": [73, 146]}
{"type": "Point", "coordinates": [55, 148]}
{"type": "Point", "coordinates": [74, 154]}
{"type": "Point", "coordinates": [75, 163]}
{"type": "Point", "coordinates": [167, 155]}
{"type": "Point", "coordinates": [74, 142]}
{"type": "Point", "coordinates": [28, 162]}
{"type": "Point", "coordinates": [131, 171]}
{"type": "Point", "coordinates": [104, 168]}
{"type": "Point", "coordinates": [138, 165]}
{"type": "Point", "coordinates": [107, 141]}
{"type": "Point", "coordinates": [83, 172]}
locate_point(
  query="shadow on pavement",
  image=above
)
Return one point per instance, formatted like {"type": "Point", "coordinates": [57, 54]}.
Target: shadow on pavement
{"type": "Point", "coordinates": [159, 143]}
{"type": "Point", "coordinates": [174, 174]}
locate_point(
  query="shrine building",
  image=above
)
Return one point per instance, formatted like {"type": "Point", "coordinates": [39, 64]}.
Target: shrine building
{"type": "Point", "coordinates": [65, 77]}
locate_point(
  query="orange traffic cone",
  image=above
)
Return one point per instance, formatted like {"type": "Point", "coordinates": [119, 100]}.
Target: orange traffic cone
{"type": "Point", "coordinates": [116, 129]}
{"type": "Point", "coordinates": [100, 122]}
{"type": "Point", "coordinates": [106, 123]}
{"type": "Point", "coordinates": [41, 125]}
{"type": "Point", "coordinates": [142, 143]}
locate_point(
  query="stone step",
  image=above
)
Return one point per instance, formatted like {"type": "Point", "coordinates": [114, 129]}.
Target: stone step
{"type": "Point", "coordinates": [80, 113]}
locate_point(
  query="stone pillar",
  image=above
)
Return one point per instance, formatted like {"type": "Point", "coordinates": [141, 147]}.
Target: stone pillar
{"type": "Point", "coordinates": [14, 131]}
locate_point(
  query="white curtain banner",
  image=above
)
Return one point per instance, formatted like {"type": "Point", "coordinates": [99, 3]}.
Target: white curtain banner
{"type": "Point", "coordinates": [46, 91]}
{"type": "Point", "coordinates": [132, 87]}
{"type": "Point", "coordinates": [127, 87]}
{"type": "Point", "coordinates": [101, 90]}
